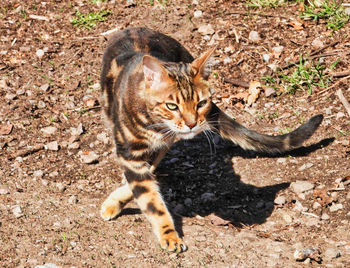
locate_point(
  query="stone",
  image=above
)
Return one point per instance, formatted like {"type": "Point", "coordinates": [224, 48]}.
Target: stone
{"type": "Point", "coordinates": [254, 36]}
{"type": "Point", "coordinates": [325, 216]}
{"type": "Point", "coordinates": [316, 205]}
{"type": "Point", "coordinates": [61, 187]}
{"type": "Point", "coordinates": [299, 207]}
{"type": "Point", "coordinates": [301, 186]}
{"type": "Point", "coordinates": [4, 190]}
{"type": "Point", "coordinates": [281, 160]}
{"type": "Point", "coordinates": [44, 87]}
{"type": "Point", "coordinates": [197, 14]}
{"type": "Point", "coordinates": [17, 211]}
{"type": "Point", "coordinates": [73, 199]}
{"type": "Point", "coordinates": [10, 96]}
{"type": "Point", "coordinates": [103, 137]}
{"type": "Point", "coordinates": [305, 166]}
{"type": "Point", "coordinates": [48, 130]}
{"type": "Point", "coordinates": [340, 115]}
{"type": "Point", "coordinates": [47, 265]}
{"type": "Point", "coordinates": [277, 51]}
{"type": "Point", "coordinates": [77, 131]}
{"type": "Point", "coordinates": [332, 253]}
{"type": "Point", "coordinates": [206, 29]}
{"type": "Point", "coordinates": [52, 146]}
{"type": "Point", "coordinates": [40, 53]}
{"type": "Point", "coordinates": [38, 173]}
{"type": "Point", "coordinates": [266, 57]}
{"type": "Point", "coordinates": [317, 43]}
{"type": "Point", "coordinates": [280, 200]}
{"type": "Point", "coordinates": [335, 207]}
{"type": "Point", "coordinates": [89, 157]}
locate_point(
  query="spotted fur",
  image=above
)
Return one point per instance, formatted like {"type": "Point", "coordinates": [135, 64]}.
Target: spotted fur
{"type": "Point", "coordinates": [153, 94]}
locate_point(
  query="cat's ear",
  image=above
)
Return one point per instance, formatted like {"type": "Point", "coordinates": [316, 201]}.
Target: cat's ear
{"type": "Point", "coordinates": [155, 73]}
{"type": "Point", "coordinates": [201, 64]}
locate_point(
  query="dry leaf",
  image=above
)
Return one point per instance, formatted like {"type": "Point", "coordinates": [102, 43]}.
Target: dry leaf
{"type": "Point", "coordinates": [297, 25]}
{"type": "Point", "coordinates": [241, 96]}
{"type": "Point", "coordinates": [6, 129]}
{"type": "Point", "coordinates": [217, 221]}
{"type": "Point", "coordinates": [301, 7]}
{"type": "Point", "coordinates": [91, 103]}
{"type": "Point", "coordinates": [254, 91]}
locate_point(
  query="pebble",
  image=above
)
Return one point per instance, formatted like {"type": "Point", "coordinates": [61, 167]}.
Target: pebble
{"type": "Point", "coordinates": [49, 130]}
{"type": "Point", "coordinates": [301, 186]}
{"type": "Point", "coordinates": [348, 196]}
{"type": "Point", "coordinates": [4, 190]}
{"type": "Point", "coordinates": [45, 182]}
{"type": "Point", "coordinates": [52, 146]}
{"type": "Point", "coordinates": [207, 197]}
{"type": "Point", "coordinates": [53, 174]}
{"type": "Point", "coordinates": [78, 130]}
{"type": "Point", "coordinates": [340, 115]}
{"type": "Point", "coordinates": [305, 166]}
{"type": "Point", "coordinates": [47, 265]}
{"type": "Point", "coordinates": [38, 173]}
{"type": "Point", "coordinates": [317, 43]}
{"type": "Point", "coordinates": [201, 238]}
{"type": "Point", "coordinates": [277, 51]}
{"type": "Point", "coordinates": [347, 11]}
{"type": "Point", "coordinates": [269, 91]}
{"type": "Point", "coordinates": [61, 187]}
{"type": "Point", "coordinates": [188, 202]}
{"type": "Point", "coordinates": [89, 157]}
{"type": "Point", "coordinates": [73, 199]}
{"type": "Point", "coordinates": [335, 207]}
{"type": "Point", "coordinates": [299, 207]}
{"type": "Point", "coordinates": [227, 60]}
{"type": "Point", "coordinates": [103, 138]}
{"type": "Point", "coordinates": [74, 145]}
{"type": "Point", "coordinates": [332, 253]}
{"type": "Point", "coordinates": [10, 96]}
{"type": "Point", "coordinates": [316, 205]}
{"type": "Point", "coordinates": [206, 29]}
{"type": "Point", "coordinates": [280, 200]}
{"type": "Point", "coordinates": [197, 14]}
{"type": "Point", "coordinates": [40, 53]}
{"type": "Point", "coordinates": [17, 211]}
{"type": "Point", "coordinates": [254, 36]}
{"type": "Point", "coordinates": [266, 57]}
{"type": "Point", "coordinates": [287, 218]}
{"type": "Point", "coordinates": [325, 216]}
{"type": "Point", "coordinates": [281, 160]}
{"type": "Point", "coordinates": [41, 104]}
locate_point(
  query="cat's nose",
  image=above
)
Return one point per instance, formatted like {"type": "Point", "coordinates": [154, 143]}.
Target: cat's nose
{"type": "Point", "coordinates": [191, 125]}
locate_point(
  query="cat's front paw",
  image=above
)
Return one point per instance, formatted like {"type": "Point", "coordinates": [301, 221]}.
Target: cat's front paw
{"type": "Point", "coordinates": [172, 242]}
{"type": "Point", "coordinates": [110, 209]}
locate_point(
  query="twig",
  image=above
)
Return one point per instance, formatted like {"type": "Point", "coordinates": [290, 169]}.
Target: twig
{"type": "Point", "coordinates": [323, 48]}
{"type": "Point", "coordinates": [341, 74]}
{"type": "Point", "coordinates": [26, 152]}
{"type": "Point", "coordinates": [343, 100]}
{"type": "Point", "coordinates": [238, 83]}
{"type": "Point", "coordinates": [334, 85]}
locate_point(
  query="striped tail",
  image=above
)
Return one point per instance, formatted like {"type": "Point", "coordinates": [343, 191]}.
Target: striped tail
{"type": "Point", "coordinates": [248, 139]}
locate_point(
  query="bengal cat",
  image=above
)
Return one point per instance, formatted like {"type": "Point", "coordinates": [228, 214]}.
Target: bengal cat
{"type": "Point", "coordinates": [155, 93]}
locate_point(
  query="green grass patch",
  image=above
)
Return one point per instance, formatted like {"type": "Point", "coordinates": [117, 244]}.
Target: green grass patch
{"type": "Point", "coordinates": [89, 20]}
{"type": "Point", "coordinates": [331, 11]}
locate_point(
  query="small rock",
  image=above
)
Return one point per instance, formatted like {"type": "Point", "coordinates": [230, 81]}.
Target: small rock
{"type": "Point", "coordinates": [281, 160]}
{"type": "Point", "coordinates": [269, 91]}
{"type": "Point", "coordinates": [89, 157]}
{"type": "Point", "coordinates": [201, 238]}
{"type": "Point", "coordinates": [340, 115]}
{"type": "Point", "coordinates": [328, 110]}
{"type": "Point", "coordinates": [317, 43]}
{"type": "Point", "coordinates": [103, 138]}
{"type": "Point", "coordinates": [335, 207]}
{"type": "Point", "coordinates": [305, 166]}
{"type": "Point", "coordinates": [316, 205]}
{"type": "Point", "coordinates": [280, 200]}
{"type": "Point", "coordinates": [73, 199]}
{"type": "Point", "coordinates": [61, 187]}
{"type": "Point", "coordinates": [47, 265]}
{"type": "Point", "coordinates": [287, 218]}
{"type": "Point", "coordinates": [49, 130]}
{"type": "Point", "coordinates": [254, 36]}
{"type": "Point", "coordinates": [41, 104]}
{"type": "Point", "coordinates": [299, 207]}
{"type": "Point", "coordinates": [45, 182]}
{"type": "Point", "coordinates": [10, 96]}
{"type": "Point", "coordinates": [40, 53]}
{"type": "Point", "coordinates": [227, 60]}
{"type": "Point", "coordinates": [77, 131]}
{"type": "Point", "coordinates": [347, 11]}
{"type": "Point", "coordinates": [277, 51]}
{"type": "Point", "coordinates": [301, 255]}
{"type": "Point", "coordinates": [44, 87]}
{"type": "Point", "coordinates": [206, 29]}
{"type": "Point", "coordinates": [188, 202]}
{"type": "Point", "coordinates": [301, 186]}
{"type": "Point", "coordinates": [266, 57]}
{"type": "Point", "coordinates": [325, 216]}
{"type": "Point", "coordinates": [197, 14]}
{"type": "Point", "coordinates": [332, 253]}
{"type": "Point", "coordinates": [38, 173]}
{"type": "Point", "coordinates": [4, 190]}
{"type": "Point", "coordinates": [53, 174]}
{"type": "Point", "coordinates": [74, 145]}
{"type": "Point", "coordinates": [17, 211]}
{"type": "Point", "coordinates": [52, 146]}
{"type": "Point", "coordinates": [207, 197]}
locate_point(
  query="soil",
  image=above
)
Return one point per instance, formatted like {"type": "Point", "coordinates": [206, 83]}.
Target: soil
{"type": "Point", "coordinates": [234, 208]}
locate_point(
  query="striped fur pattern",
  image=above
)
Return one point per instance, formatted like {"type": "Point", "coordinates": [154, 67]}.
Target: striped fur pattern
{"type": "Point", "coordinates": [155, 93]}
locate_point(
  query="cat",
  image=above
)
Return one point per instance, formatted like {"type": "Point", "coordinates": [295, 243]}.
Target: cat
{"type": "Point", "coordinates": [155, 93]}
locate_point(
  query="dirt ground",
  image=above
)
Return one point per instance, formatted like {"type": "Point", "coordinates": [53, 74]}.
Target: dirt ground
{"type": "Point", "coordinates": [234, 208]}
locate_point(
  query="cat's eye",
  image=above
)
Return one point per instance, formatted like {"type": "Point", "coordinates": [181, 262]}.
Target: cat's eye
{"type": "Point", "coordinates": [171, 106]}
{"type": "Point", "coordinates": [201, 103]}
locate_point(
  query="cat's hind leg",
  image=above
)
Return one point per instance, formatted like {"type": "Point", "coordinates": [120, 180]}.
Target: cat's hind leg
{"type": "Point", "coordinates": [115, 202]}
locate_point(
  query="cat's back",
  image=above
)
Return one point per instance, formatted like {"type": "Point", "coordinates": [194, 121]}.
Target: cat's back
{"type": "Point", "coordinates": [133, 42]}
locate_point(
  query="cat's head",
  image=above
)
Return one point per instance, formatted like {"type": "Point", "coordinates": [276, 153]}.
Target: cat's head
{"type": "Point", "coordinates": [179, 94]}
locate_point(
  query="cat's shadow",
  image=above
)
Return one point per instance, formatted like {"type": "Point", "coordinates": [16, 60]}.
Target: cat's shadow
{"type": "Point", "coordinates": [197, 179]}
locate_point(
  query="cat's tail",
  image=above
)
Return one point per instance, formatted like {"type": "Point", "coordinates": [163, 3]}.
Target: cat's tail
{"type": "Point", "coordinates": [248, 139]}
